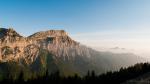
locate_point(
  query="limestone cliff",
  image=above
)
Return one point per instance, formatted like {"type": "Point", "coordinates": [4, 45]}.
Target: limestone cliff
{"type": "Point", "coordinates": [15, 47]}
{"type": "Point", "coordinates": [55, 50]}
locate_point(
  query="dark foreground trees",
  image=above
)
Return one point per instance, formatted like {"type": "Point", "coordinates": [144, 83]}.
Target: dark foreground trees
{"type": "Point", "coordinates": [116, 77]}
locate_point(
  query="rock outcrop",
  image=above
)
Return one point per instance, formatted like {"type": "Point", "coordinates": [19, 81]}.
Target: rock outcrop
{"type": "Point", "coordinates": [15, 47]}
{"type": "Point", "coordinates": [54, 50]}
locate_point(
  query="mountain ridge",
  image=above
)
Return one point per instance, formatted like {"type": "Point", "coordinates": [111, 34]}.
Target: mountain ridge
{"type": "Point", "coordinates": [38, 40]}
{"type": "Point", "coordinates": [54, 50]}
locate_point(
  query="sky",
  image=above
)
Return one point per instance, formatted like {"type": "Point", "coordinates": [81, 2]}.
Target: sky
{"type": "Point", "coordinates": [100, 24]}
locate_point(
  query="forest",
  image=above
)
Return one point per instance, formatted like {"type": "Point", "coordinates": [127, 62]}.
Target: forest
{"type": "Point", "coordinates": [116, 77]}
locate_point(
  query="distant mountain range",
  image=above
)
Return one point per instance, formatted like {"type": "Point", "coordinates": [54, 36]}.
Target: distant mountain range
{"type": "Point", "coordinates": [54, 50]}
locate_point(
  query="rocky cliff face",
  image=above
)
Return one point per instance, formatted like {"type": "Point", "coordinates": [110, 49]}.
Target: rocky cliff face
{"type": "Point", "coordinates": [15, 47]}
{"type": "Point", "coordinates": [54, 50]}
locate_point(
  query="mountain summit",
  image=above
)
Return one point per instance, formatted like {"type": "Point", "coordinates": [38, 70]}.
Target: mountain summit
{"type": "Point", "coordinates": [15, 47]}
{"type": "Point", "coordinates": [54, 50]}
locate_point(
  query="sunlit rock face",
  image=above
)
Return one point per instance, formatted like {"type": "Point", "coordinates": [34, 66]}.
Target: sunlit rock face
{"type": "Point", "coordinates": [55, 50]}
{"type": "Point", "coordinates": [15, 47]}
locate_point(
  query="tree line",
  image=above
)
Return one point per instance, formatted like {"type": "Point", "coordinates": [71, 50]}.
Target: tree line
{"type": "Point", "coordinates": [115, 77]}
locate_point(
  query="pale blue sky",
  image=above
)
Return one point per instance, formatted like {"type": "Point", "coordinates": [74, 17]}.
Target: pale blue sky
{"type": "Point", "coordinates": [74, 16]}
{"type": "Point", "coordinates": [110, 23]}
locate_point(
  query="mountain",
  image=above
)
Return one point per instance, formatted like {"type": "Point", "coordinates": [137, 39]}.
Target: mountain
{"type": "Point", "coordinates": [54, 50]}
